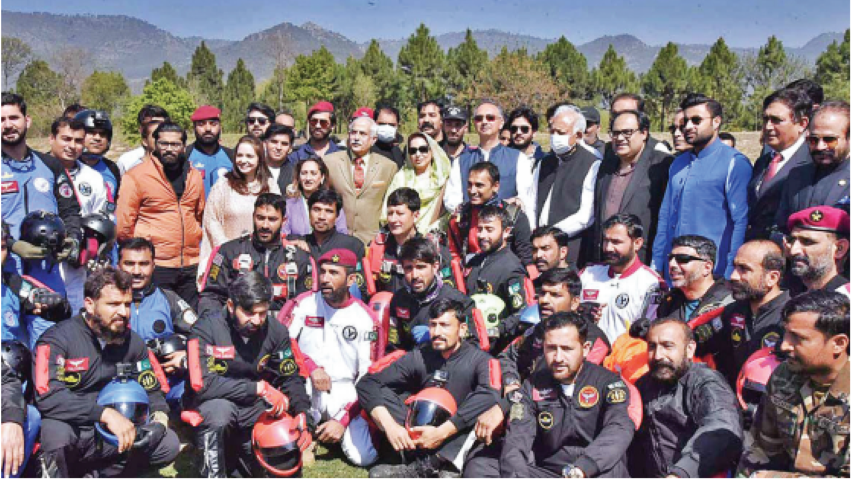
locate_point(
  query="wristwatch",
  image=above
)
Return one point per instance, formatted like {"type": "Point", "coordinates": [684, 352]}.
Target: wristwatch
{"type": "Point", "coordinates": [570, 471]}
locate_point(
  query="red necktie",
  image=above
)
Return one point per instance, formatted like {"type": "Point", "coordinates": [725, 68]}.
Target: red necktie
{"type": "Point", "coordinates": [772, 170]}
{"type": "Point", "coordinates": [359, 174]}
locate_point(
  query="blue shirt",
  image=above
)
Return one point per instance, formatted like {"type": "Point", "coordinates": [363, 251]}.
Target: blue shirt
{"type": "Point", "coordinates": [707, 195]}
{"type": "Point", "coordinates": [212, 167]}
{"type": "Point", "coordinates": [307, 151]}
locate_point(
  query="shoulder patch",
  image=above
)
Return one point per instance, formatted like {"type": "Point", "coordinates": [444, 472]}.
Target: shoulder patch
{"type": "Point", "coordinates": [588, 396]}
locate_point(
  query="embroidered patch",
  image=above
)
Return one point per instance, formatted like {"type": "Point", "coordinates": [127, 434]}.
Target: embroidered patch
{"type": "Point", "coordinates": [148, 380]}
{"type": "Point", "coordinates": [591, 295]}
{"type": "Point", "coordinates": [10, 187]}
{"type": "Point", "coordinates": [85, 189]}
{"type": "Point", "coordinates": [288, 367]}
{"type": "Point", "coordinates": [403, 313]}
{"type": "Point", "coordinates": [771, 339]}
{"type": "Point", "coordinates": [588, 396]}
{"type": "Point", "coordinates": [76, 364]}
{"type": "Point", "coordinates": [43, 186]}
{"type": "Point", "coordinates": [223, 353]}
{"type": "Point", "coordinates": [622, 300]}
{"type": "Point", "coordinates": [65, 190]}
{"type": "Point", "coordinates": [616, 395]}
{"type": "Point", "coordinates": [349, 333]}
{"type": "Point", "coordinates": [545, 420]}
{"type": "Point", "coordinates": [315, 322]}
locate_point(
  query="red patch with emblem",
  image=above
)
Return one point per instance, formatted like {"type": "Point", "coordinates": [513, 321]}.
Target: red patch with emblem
{"type": "Point", "coordinates": [76, 364]}
{"type": "Point", "coordinates": [279, 290]}
{"type": "Point", "coordinates": [316, 322]}
{"type": "Point", "coordinates": [222, 353]}
{"type": "Point", "coordinates": [10, 187]}
{"type": "Point", "coordinates": [403, 313]}
{"type": "Point", "coordinates": [588, 396]}
{"type": "Point", "coordinates": [738, 321]}
{"type": "Point", "coordinates": [282, 271]}
{"type": "Point", "coordinates": [591, 295]}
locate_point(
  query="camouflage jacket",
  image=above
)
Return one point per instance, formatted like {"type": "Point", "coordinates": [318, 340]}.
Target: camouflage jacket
{"type": "Point", "coordinates": [795, 434]}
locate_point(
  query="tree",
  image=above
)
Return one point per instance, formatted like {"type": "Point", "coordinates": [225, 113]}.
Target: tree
{"type": "Point", "coordinates": [766, 72]}
{"type": "Point", "coordinates": [105, 91]}
{"type": "Point", "coordinates": [312, 77]}
{"type": "Point", "coordinates": [15, 55]}
{"type": "Point", "coordinates": [720, 76]}
{"type": "Point", "coordinates": [465, 66]}
{"type": "Point", "coordinates": [239, 93]}
{"type": "Point", "coordinates": [168, 72]}
{"type": "Point", "coordinates": [177, 101]}
{"type": "Point", "coordinates": [204, 78]}
{"type": "Point", "coordinates": [568, 67]}
{"type": "Point", "coordinates": [832, 70]}
{"type": "Point", "coordinates": [514, 78]}
{"type": "Point", "coordinates": [422, 61]}
{"type": "Point", "coordinates": [40, 86]}
{"type": "Point", "coordinates": [612, 77]}
{"type": "Point", "coordinates": [665, 81]}
{"type": "Point", "coordinates": [378, 67]}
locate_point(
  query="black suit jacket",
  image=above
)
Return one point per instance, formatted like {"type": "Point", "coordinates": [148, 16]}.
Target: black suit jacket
{"type": "Point", "coordinates": [643, 197]}
{"type": "Point", "coordinates": [764, 198]}
{"type": "Point", "coordinates": [804, 190]}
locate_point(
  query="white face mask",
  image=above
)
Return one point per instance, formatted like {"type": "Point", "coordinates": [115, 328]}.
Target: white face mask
{"type": "Point", "coordinates": [386, 133]}
{"type": "Point", "coordinates": [560, 143]}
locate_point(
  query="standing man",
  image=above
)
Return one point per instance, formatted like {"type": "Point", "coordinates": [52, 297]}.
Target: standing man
{"type": "Point", "coordinates": [455, 126]}
{"type": "Point", "coordinates": [790, 436]}
{"type": "Point", "coordinates": [707, 192]}
{"type": "Point", "coordinates": [163, 200]}
{"type": "Point", "coordinates": [148, 115]}
{"type": "Point", "coordinates": [632, 101]}
{"type": "Point", "coordinates": [258, 118]}
{"type": "Point", "coordinates": [523, 124]}
{"type": "Point", "coordinates": [566, 180]}
{"type": "Point", "coordinates": [278, 141]}
{"type": "Point", "coordinates": [285, 117]}
{"type": "Point", "coordinates": [361, 178]}
{"type": "Point", "coordinates": [387, 133]}
{"type": "Point", "coordinates": [98, 128]}
{"type": "Point", "coordinates": [206, 154]}
{"type": "Point", "coordinates": [785, 120]}
{"type": "Point", "coordinates": [631, 181]}
{"type": "Point", "coordinates": [818, 247]}
{"type": "Point", "coordinates": [676, 130]}
{"type": "Point", "coordinates": [593, 127]}
{"type": "Point", "coordinates": [516, 169]}
{"type": "Point", "coordinates": [321, 122]}
{"type": "Point", "coordinates": [430, 121]}
{"type": "Point", "coordinates": [690, 423]}
{"type": "Point", "coordinates": [550, 249]}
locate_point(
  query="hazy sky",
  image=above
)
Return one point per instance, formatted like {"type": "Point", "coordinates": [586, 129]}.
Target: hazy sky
{"type": "Point", "coordinates": [743, 23]}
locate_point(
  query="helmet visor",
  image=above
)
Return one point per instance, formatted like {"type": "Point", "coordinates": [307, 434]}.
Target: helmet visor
{"type": "Point", "coordinates": [426, 414]}
{"type": "Point", "coordinates": [282, 458]}
{"type": "Point", "coordinates": [135, 412]}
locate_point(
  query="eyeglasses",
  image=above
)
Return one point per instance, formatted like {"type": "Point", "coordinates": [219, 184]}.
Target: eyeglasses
{"type": "Point", "coordinates": [422, 149]}
{"type": "Point", "coordinates": [320, 122]}
{"type": "Point", "coordinates": [683, 258]}
{"type": "Point", "coordinates": [258, 120]}
{"type": "Point", "coordinates": [675, 128]}
{"type": "Point", "coordinates": [480, 118]}
{"type": "Point", "coordinates": [830, 141]}
{"type": "Point", "coordinates": [525, 129]}
{"type": "Point", "coordinates": [623, 133]}
{"type": "Point", "coordinates": [696, 120]}
{"type": "Point", "coordinates": [169, 145]}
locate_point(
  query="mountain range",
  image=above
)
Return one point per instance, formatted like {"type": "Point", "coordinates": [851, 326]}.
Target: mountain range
{"type": "Point", "coordinates": [134, 47]}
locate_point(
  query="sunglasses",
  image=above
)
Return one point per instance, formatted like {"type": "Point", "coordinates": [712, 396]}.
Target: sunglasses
{"type": "Point", "coordinates": [525, 129]}
{"type": "Point", "coordinates": [257, 120]}
{"type": "Point", "coordinates": [320, 122]}
{"type": "Point", "coordinates": [480, 118]}
{"type": "Point", "coordinates": [830, 141]}
{"type": "Point", "coordinates": [675, 128]}
{"type": "Point", "coordinates": [696, 120]}
{"type": "Point", "coordinates": [683, 258]}
{"type": "Point", "coordinates": [423, 149]}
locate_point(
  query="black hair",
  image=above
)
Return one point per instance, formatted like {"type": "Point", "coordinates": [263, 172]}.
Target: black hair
{"type": "Point", "coordinates": [170, 127]}
{"type": "Point", "coordinates": [435, 102]}
{"type": "Point", "coordinates": [387, 107]}
{"type": "Point", "coordinates": [10, 98]}
{"type": "Point", "coordinates": [642, 119]}
{"type": "Point", "coordinates": [444, 305]}
{"type": "Point", "coordinates": [705, 247]}
{"type": "Point", "coordinates": [630, 221]}
{"type": "Point", "coordinates": [640, 102]}
{"type": "Point", "coordinates": [109, 275]}
{"type": "Point", "coordinates": [62, 122]}
{"type": "Point", "coordinates": [684, 326]}
{"type": "Point", "coordinates": [249, 290]}
{"type": "Point", "coordinates": [832, 309]}
{"type": "Point", "coordinates": [524, 112]}
{"type": "Point", "coordinates": [278, 129]}
{"type": "Point", "coordinates": [568, 319]}
{"type": "Point", "coordinates": [150, 111]}
{"type": "Point", "coordinates": [729, 137]}
{"type": "Point", "coordinates": [489, 167]}
{"type": "Point", "coordinates": [559, 276]}
{"type": "Point", "coordinates": [136, 243]}
{"type": "Point", "coordinates": [558, 235]}
{"type": "Point", "coordinates": [796, 100]}
{"type": "Point", "coordinates": [490, 212]}
{"type": "Point", "coordinates": [73, 109]}
{"type": "Point", "coordinates": [266, 110]}
{"type": "Point", "coordinates": [419, 249]}
{"type": "Point", "coordinates": [811, 88]}
{"type": "Point", "coordinates": [326, 196]}
{"type": "Point", "coordinates": [405, 196]}
{"type": "Point", "coordinates": [773, 258]}
{"type": "Point", "coordinates": [695, 99]}
{"type": "Point", "coordinates": [836, 106]}
{"type": "Point", "coordinates": [271, 200]}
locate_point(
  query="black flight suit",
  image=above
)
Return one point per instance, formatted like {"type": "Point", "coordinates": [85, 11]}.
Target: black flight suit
{"type": "Point", "coordinates": [519, 242]}
{"type": "Point", "coordinates": [337, 240]}
{"type": "Point", "coordinates": [72, 366]}
{"type": "Point", "coordinates": [673, 304]}
{"type": "Point", "coordinates": [224, 370]}
{"type": "Point", "coordinates": [473, 381]}
{"type": "Point", "coordinates": [387, 271]}
{"type": "Point", "coordinates": [409, 315]}
{"type": "Point", "coordinates": [690, 428]}
{"type": "Point", "coordinates": [291, 270]}
{"type": "Point", "coordinates": [590, 430]}
{"type": "Point", "coordinates": [499, 273]}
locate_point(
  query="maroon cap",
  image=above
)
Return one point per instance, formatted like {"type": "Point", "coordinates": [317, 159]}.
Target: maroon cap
{"type": "Point", "coordinates": [340, 256]}
{"type": "Point", "coordinates": [322, 106]}
{"type": "Point", "coordinates": [365, 112]}
{"type": "Point", "coordinates": [205, 112]}
{"type": "Point", "coordinates": [824, 218]}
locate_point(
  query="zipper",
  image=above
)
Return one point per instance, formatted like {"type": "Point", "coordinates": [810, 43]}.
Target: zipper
{"type": "Point", "coordinates": [180, 212]}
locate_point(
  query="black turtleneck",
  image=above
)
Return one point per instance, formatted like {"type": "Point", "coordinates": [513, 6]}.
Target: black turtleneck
{"type": "Point", "coordinates": [176, 173]}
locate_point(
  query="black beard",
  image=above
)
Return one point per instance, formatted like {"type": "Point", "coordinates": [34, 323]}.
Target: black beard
{"type": "Point", "coordinates": [21, 138]}
{"type": "Point", "coordinates": [181, 157]}
{"type": "Point", "coordinates": [200, 140]}
{"type": "Point", "coordinates": [336, 297]}
{"type": "Point", "coordinates": [659, 370]}
{"type": "Point", "coordinates": [104, 333]}
{"type": "Point", "coordinates": [745, 292]}
{"type": "Point", "coordinates": [616, 260]}
{"type": "Point", "coordinates": [520, 146]}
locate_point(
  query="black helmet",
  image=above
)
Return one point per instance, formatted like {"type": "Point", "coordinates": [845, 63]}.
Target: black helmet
{"type": "Point", "coordinates": [93, 119]}
{"type": "Point", "coordinates": [43, 229]}
{"type": "Point", "coordinates": [16, 357]}
{"type": "Point", "coordinates": [100, 227]}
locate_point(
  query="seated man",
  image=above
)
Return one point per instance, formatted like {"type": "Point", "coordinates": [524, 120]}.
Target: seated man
{"type": "Point", "coordinates": [156, 314]}
{"type": "Point", "coordinates": [818, 248]}
{"type": "Point", "coordinates": [241, 363]}
{"type": "Point", "coordinates": [289, 268]}
{"type": "Point", "coordinates": [383, 267]}
{"type": "Point", "coordinates": [467, 373]}
{"type": "Point", "coordinates": [569, 419]}
{"type": "Point", "coordinates": [339, 339]}
{"type": "Point", "coordinates": [802, 424]}
{"type": "Point", "coordinates": [75, 359]}
{"type": "Point", "coordinates": [694, 290]}
{"type": "Point", "coordinates": [691, 425]}
{"type": "Point", "coordinates": [423, 287]}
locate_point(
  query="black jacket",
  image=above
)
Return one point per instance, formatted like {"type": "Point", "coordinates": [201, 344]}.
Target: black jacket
{"type": "Point", "coordinates": [291, 270]}
{"type": "Point", "coordinates": [409, 314]}
{"type": "Point", "coordinates": [14, 406]}
{"type": "Point", "coordinates": [71, 368]}
{"type": "Point", "coordinates": [499, 273]}
{"type": "Point", "coordinates": [809, 186]}
{"type": "Point", "coordinates": [391, 151]}
{"type": "Point", "coordinates": [384, 264]}
{"type": "Point", "coordinates": [472, 379]}
{"type": "Point", "coordinates": [459, 231]}
{"type": "Point", "coordinates": [222, 365]}
{"type": "Point", "coordinates": [336, 240]}
{"type": "Point", "coordinates": [590, 430]}
{"type": "Point", "coordinates": [764, 198]}
{"type": "Point", "coordinates": [673, 304]}
{"type": "Point", "coordinates": [690, 428]}
{"type": "Point", "coordinates": [642, 197]}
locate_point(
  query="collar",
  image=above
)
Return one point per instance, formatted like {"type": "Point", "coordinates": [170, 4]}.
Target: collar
{"type": "Point", "coordinates": [352, 157]}
{"type": "Point", "coordinates": [139, 295]}
{"type": "Point", "coordinates": [840, 387]}
{"type": "Point", "coordinates": [430, 294]}
{"type": "Point", "coordinates": [28, 158]}
{"type": "Point", "coordinates": [788, 152]}
{"type": "Point", "coordinates": [773, 304]}
{"type": "Point", "coordinates": [635, 266]}
{"type": "Point", "coordinates": [709, 150]}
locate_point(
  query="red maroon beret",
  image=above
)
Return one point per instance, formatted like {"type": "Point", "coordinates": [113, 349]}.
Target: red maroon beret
{"type": "Point", "coordinates": [365, 112]}
{"type": "Point", "coordinates": [205, 112]}
{"type": "Point", "coordinates": [824, 218]}
{"type": "Point", "coordinates": [322, 106]}
{"type": "Point", "coordinates": [340, 256]}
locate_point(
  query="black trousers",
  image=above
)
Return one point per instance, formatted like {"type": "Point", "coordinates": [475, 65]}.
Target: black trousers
{"type": "Point", "coordinates": [180, 280]}
{"type": "Point", "coordinates": [484, 462]}
{"type": "Point", "coordinates": [224, 421]}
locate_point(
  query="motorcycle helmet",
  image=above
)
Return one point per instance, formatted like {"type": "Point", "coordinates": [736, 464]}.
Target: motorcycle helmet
{"type": "Point", "coordinates": [754, 376]}
{"type": "Point", "coordinates": [431, 407]}
{"type": "Point", "coordinates": [492, 308]}
{"type": "Point", "coordinates": [530, 315]}
{"type": "Point", "coordinates": [16, 357]}
{"type": "Point", "coordinates": [276, 443]}
{"type": "Point", "coordinates": [43, 229]}
{"type": "Point", "coordinates": [129, 399]}
{"type": "Point", "coordinates": [95, 119]}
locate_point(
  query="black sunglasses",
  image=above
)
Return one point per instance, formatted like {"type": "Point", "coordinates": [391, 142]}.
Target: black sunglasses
{"type": "Point", "coordinates": [257, 120]}
{"type": "Point", "coordinates": [525, 129]}
{"type": "Point", "coordinates": [683, 258]}
{"type": "Point", "coordinates": [420, 149]}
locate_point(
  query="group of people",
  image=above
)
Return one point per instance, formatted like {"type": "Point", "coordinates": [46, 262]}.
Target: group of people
{"type": "Point", "coordinates": [435, 308]}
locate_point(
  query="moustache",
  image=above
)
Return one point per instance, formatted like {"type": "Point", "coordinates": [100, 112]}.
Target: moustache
{"type": "Point", "coordinates": [427, 125]}
{"type": "Point", "coordinates": [800, 258]}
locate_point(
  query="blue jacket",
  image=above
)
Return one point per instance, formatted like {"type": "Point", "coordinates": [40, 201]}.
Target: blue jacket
{"type": "Point", "coordinates": [306, 151]}
{"type": "Point", "coordinates": [212, 167]}
{"type": "Point", "coordinates": [707, 195]}
{"type": "Point", "coordinates": [158, 313]}
{"type": "Point", "coordinates": [506, 160]}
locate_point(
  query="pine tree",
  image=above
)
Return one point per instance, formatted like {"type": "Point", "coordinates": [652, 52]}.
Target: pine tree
{"type": "Point", "coordinates": [105, 91]}
{"type": "Point", "coordinates": [15, 55]}
{"type": "Point", "coordinates": [770, 70]}
{"type": "Point", "coordinates": [465, 66]}
{"type": "Point", "coordinates": [664, 82]}
{"type": "Point", "coordinates": [313, 77]}
{"type": "Point", "coordinates": [612, 77]}
{"type": "Point", "coordinates": [205, 78]}
{"type": "Point", "coordinates": [168, 72]}
{"type": "Point", "coordinates": [832, 70]}
{"type": "Point", "coordinates": [38, 84]}
{"type": "Point", "coordinates": [720, 76]}
{"type": "Point", "coordinates": [239, 93]}
{"type": "Point", "coordinates": [422, 61]}
{"type": "Point", "coordinates": [378, 67]}
{"type": "Point", "coordinates": [568, 67]}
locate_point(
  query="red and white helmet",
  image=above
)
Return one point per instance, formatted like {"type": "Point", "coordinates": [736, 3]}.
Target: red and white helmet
{"type": "Point", "coordinates": [278, 443]}
{"type": "Point", "coordinates": [754, 376]}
